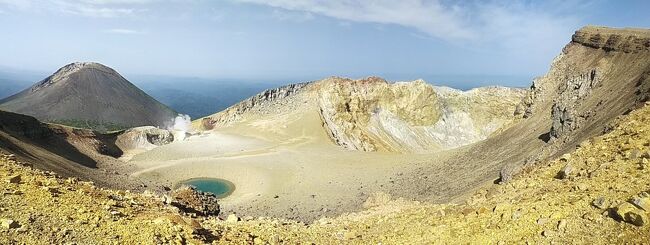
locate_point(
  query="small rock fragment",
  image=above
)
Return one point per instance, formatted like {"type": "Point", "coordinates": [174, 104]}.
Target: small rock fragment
{"type": "Point", "coordinates": [516, 215]}
{"type": "Point", "coordinates": [14, 179]}
{"type": "Point", "coordinates": [467, 211]}
{"type": "Point", "coordinates": [166, 199]}
{"type": "Point", "coordinates": [232, 218]}
{"type": "Point", "coordinates": [636, 218]}
{"type": "Point", "coordinates": [15, 192]}
{"type": "Point", "coordinates": [10, 224]}
{"type": "Point", "coordinates": [581, 187]}
{"type": "Point", "coordinates": [377, 199]}
{"type": "Point", "coordinates": [565, 172]}
{"type": "Point", "coordinates": [642, 202]}
{"type": "Point", "coordinates": [258, 240]}
{"type": "Point", "coordinates": [505, 175]}
{"type": "Point", "coordinates": [275, 239]}
{"type": "Point", "coordinates": [349, 235]}
{"type": "Point", "coordinates": [561, 225]}
{"type": "Point", "coordinates": [499, 208]}
{"type": "Point", "coordinates": [600, 203]}
{"type": "Point", "coordinates": [622, 209]}
{"type": "Point", "coordinates": [565, 157]}
{"type": "Point", "coordinates": [646, 155]}
{"type": "Point", "coordinates": [634, 154]}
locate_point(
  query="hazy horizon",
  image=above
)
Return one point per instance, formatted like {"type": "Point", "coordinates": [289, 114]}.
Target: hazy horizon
{"type": "Point", "coordinates": [199, 97]}
{"type": "Point", "coordinates": [462, 45]}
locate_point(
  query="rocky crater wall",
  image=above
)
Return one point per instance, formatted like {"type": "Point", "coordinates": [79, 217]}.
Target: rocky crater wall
{"type": "Point", "coordinates": [257, 102]}
{"type": "Point", "coordinates": [374, 115]}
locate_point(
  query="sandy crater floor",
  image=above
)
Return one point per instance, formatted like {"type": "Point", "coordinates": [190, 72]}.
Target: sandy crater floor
{"type": "Point", "coordinates": [295, 173]}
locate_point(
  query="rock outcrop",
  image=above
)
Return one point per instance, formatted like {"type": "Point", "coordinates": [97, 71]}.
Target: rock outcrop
{"type": "Point", "coordinates": [188, 199]}
{"type": "Point", "coordinates": [627, 40]}
{"type": "Point", "coordinates": [147, 138]}
{"type": "Point", "coordinates": [565, 114]}
{"type": "Point", "coordinates": [258, 102]}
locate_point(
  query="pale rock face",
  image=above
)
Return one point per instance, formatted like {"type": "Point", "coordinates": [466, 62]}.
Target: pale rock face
{"type": "Point", "coordinates": [374, 115]}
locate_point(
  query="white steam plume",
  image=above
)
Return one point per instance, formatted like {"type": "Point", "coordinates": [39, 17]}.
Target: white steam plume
{"type": "Point", "coordinates": [182, 123]}
{"type": "Point", "coordinates": [180, 127]}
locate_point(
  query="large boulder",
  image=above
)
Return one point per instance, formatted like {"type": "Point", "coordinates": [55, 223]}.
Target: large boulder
{"type": "Point", "coordinates": [189, 199]}
{"type": "Point", "coordinates": [631, 214]}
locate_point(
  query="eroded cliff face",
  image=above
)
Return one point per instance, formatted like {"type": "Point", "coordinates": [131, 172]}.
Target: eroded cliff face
{"type": "Point", "coordinates": [372, 114]}
{"type": "Point", "coordinates": [601, 74]}
{"type": "Point", "coordinates": [564, 114]}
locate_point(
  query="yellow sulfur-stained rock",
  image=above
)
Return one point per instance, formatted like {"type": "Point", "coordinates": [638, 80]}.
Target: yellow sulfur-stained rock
{"type": "Point", "coordinates": [631, 214]}
{"type": "Point", "coordinates": [9, 224]}
{"type": "Point", "coordinates": [642, 202]}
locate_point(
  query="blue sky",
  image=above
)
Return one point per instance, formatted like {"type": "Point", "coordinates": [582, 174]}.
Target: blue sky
{"type": "Point", "coordinates": [493, 41]}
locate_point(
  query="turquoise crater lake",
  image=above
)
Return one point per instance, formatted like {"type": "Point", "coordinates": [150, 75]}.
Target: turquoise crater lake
{"type": "Point", "coordinates": [219, 187]}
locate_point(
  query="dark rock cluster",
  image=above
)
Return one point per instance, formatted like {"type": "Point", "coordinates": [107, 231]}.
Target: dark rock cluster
{"type": "Point", "coordinates": [189, 199]}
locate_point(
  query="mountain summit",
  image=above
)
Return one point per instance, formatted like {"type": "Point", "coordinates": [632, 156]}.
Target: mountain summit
{"type": "Point", "coordinates": [91, 95]}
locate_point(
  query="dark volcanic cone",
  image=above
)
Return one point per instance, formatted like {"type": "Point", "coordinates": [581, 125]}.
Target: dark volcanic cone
{"type": "Point", "coordinates": [89, 95]}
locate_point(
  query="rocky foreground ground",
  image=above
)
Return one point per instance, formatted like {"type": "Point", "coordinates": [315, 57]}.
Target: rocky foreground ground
{"type": "Point", "coordinates": [600, 193]}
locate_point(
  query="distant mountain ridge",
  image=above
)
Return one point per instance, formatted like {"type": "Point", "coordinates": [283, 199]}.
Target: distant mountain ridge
{"type": "Point", "coordinates": [90, 95]}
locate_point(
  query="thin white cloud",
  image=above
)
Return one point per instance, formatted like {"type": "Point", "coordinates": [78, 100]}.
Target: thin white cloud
{"type": "Point", "coordinates": [122, 31]}
{"type": "Point", "coordinates": [98, 9]}
{"type": "Point", "coordinates": [451, 21]}
{"type": "Point", "coordinates": [87, 8]}
{"type": "Point", "coordinates": [430, 17]}
{"type": "Point", "coordinates": [286, 15]}
{"type": "Point", "coordinates": [98, 12]}
{"type": "Point", "coordinates": [15, 3]}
